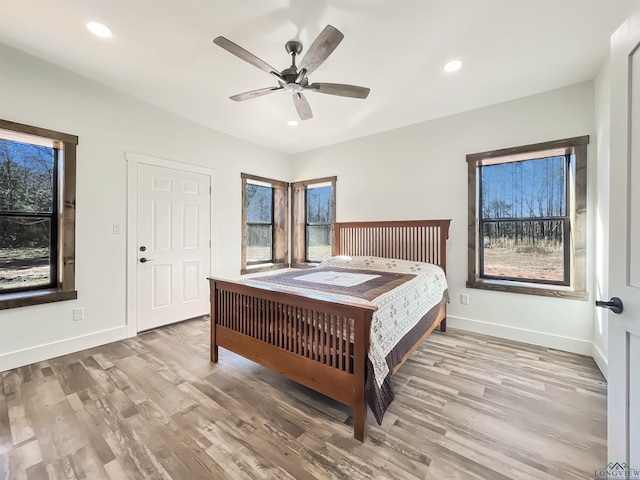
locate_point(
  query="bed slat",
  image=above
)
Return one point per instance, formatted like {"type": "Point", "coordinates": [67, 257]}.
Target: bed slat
{"type": "Point", "coordinates": [323, 337]}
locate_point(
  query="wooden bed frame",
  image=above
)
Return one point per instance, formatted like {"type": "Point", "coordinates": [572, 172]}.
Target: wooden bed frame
{"type": "Point", "coordinates": [319, 342]}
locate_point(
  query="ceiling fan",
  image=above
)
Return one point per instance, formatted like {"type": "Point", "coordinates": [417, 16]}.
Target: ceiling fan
{"type": "Point", "coordinates": [296, 79]}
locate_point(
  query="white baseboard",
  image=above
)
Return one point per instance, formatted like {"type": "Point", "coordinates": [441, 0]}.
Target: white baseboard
{"type": "Point", "coordinates": [600, 359]}
{"type": "Point", "coordinates": [567, 344]}
{"type": "Point", "coordinates": [47, 351]}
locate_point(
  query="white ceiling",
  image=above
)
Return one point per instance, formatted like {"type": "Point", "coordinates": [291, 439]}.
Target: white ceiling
{"type": "Point", "coordinates": [162, 52]}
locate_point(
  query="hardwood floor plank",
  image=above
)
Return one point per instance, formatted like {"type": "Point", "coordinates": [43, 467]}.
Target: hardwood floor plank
{"type": "Point", "coordinates": [561, 414]}
{"type": "Point", "coordinates": [125, 443]}
{"type": "Point", "coordinates": [20, 424]}
{"type": "Point", "coordinates": [6, 441]}
{"type": "Point", "coordinates": [350, 467]}
{"type": "Point", "coordinates": [96, 440]}
{"type": "Point", "coordinates": [88, 464]}
{"type": "Point", "coordinates": [515, 463]}
{"type": "Point", "coordinates": [115, 471]}
{"type": "Point", "coordinates": [442, 470]}
{"type": "Point", "coordinates": [233, 452]}
{"type": "Point", "coordinates": [313, 462]}
{"type": "Point", "coordinates": [11, 384]}
{"type": "Point", "coordinates": [384, 460]}
{"type": "Point", "coordinates": [16, 463]}
{"type": "Point", "coordinates": [37, 472]}
{"type": "Point", "coordinates": [409, 440]}
{"type": "Point", "coordinates": [63, 469]}
{"type": "Point", "coordinates": [159, 451]}
{"type": "Point", "coordinates": [30, 453]}
{"type": "Point", "coordinates": [281, 457]}
{"type": "Point", "coordinates": [125, 386]}
{"type": "Point", "coordinates": [466, 406]}
{"type": "Point", "coordinates": [154, 385]}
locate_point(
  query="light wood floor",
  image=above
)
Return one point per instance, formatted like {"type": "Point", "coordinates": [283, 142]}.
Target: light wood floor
{"type": "Point", "coordinates": [467, 406]}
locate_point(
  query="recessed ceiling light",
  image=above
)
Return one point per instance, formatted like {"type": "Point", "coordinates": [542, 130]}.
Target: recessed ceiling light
{"type": "Point", "coordinates": [453, 66]}
{"type": "Point", "coordinates": [99, 29]}
{"type": "Point", "coordinates": [292, 123]}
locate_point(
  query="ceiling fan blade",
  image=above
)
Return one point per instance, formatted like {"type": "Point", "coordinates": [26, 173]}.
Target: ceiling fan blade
{"type": "Point", "coordinates": [240, 52]}
{"type": "Point", "coordinates": [302, 106]}
{"type": "Point", "coordinates": [321, 48]}
{"type": "Point", "coordinates": [301, 74]}
{"type": "Point", "coordinates": [254, 93]}
{"type": "Point", "coordinates": [341, 89]}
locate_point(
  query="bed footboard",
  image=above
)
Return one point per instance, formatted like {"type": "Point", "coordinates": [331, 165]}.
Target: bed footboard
{"type": "Point", "coordinates": [317, 342]}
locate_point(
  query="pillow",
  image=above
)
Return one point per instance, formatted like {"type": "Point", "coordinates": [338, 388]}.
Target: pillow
{"type": "Point", "coordinates": [379, 263]}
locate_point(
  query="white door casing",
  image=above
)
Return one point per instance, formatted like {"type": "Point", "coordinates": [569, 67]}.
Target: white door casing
{"type": "Point", "coordinates": [169, 209]}
{"type": "Point", "coordinates": [624, 247]}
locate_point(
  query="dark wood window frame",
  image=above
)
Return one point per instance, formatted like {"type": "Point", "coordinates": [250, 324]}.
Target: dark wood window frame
{"type": "Point", "coordinates": [64, 225]}
{"type": "Point", "coordinates": [270, 224]}
{"type": "Point", "coordinates": [299, 257]}
{"type": "Point", "coordinates": [575, 225]}
{"type": "Point", "coordinates": [280, 251]}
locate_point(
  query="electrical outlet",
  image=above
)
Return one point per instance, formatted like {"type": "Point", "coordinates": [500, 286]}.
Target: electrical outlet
{"type": "Point", "coordinates": [464, 298]}
{"type": "Point", "coordinates": [78, 314]}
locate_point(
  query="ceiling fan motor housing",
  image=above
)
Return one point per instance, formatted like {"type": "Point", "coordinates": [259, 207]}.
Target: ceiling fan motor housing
{"type": "Point", "coordinates": [293, 87]}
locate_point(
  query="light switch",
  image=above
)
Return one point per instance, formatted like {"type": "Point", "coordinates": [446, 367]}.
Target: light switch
{"type": "Point", "coordinates": [117, 229]}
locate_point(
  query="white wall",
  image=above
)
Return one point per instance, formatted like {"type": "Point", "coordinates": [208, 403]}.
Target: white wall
{"type": "Point", "coordinates": [420, 172]}
{"type": "Point", "coordinates": [601, 227]}
{"type": "Point", "coordinates": [414, 172]}
{"type": "Point", "coordinates": [109, 123]}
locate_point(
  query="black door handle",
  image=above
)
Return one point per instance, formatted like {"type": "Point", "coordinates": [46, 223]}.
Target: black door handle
{"type": "Point", "coordinates": [145, 260]}
{"type": "Point", "coordinates": [615, 304]}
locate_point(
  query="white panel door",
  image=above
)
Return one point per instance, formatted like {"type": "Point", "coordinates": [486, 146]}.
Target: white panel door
{"type": "Point", "coordinates": [173, 251]}
{"type": "Point", "coordinates": [624, 247]}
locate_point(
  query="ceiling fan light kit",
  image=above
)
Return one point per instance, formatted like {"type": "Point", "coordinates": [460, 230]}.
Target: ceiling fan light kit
{"type": "Point", "coordinates": [294, 79]}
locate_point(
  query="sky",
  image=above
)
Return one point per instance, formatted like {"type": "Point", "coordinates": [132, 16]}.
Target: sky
{"type": "Point", "coordinates": [529, 188]}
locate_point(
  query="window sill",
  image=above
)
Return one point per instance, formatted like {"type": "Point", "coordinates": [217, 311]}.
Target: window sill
{"type": "Point", "coordinates": [263, 267]}
{"type": "Point", "coordinates": [554, 291]}
{"type": "Point", "coordinates": [36, 297]}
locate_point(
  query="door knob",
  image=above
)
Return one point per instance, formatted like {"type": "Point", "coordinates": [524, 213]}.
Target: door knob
{"type": "Point", "coordinates": [144, 260]}
{"type": "Point", "coordinates": [615, 304]}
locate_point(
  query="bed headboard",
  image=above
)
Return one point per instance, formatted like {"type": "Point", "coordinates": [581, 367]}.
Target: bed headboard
{"type": "Point", "coordinates": [418, 240]}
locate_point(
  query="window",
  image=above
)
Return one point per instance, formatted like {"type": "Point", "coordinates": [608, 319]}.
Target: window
{"type": "Point", "coordinates": [527, 219]}
{"type": "Point", "coordinates": [314, 211]}
{"type": "Point", "coordinates": [37, 215]}
{"type": "Point", "coordinates": [259, 224]}
{"type": "Point", "coordinates": [264, 224]}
